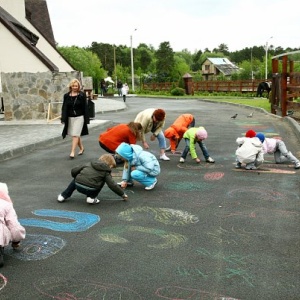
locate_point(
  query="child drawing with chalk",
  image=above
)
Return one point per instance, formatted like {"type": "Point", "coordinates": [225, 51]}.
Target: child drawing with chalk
{"type": "Point", "coordinates": [89, 179]}
{"type": "Point", "coordinates": [11, 231]}
{"type": "Point", "coordinates": [140, 165]}
{"type": "Point", "coordinates": [250, 151]}
{"type": "Point", "coordinates": [192, 136]}
{"type": "Point", "coordinates": [176, 131]}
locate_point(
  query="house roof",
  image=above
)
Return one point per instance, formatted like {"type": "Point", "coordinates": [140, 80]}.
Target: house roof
{"type": "Point", "coordinates": [38, 15]}
{"type": "Point", "coordinates": [26, 37]}
{"type": "Point", "coordinates": [224, 65]}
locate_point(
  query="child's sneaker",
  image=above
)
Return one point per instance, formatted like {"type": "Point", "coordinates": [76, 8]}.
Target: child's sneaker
{"type": "Point", "coordinates": [60, 198]}
{"type": "Point", "coordinates": [181, 160]}
{"type": "Point", "coordinates": [238, 165]}
{"type": "Point", "coordinates": [251, 167]}
{"type": "Point", "coordinates": [92, 200]}
{"type": "Point", "coordinates": [210, 160]}
{"type": "Point", "coordinates": [151, 187]}
{"type": "Point", "coordinates": [297, 165]}
{"type": "Point", "coordinates": [15, 245]}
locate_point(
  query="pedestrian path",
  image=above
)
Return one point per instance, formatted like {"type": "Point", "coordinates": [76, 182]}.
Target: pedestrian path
{"type": "Point", "coordinates": [20, 137]}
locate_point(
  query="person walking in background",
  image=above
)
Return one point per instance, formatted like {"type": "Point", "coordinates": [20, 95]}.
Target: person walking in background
{"type": "Point", "coordinates": [10, 228]}
{"type": "Point", "coordinates": [281, 154]}
{"type": "Point", "coordinates": [153, 120]}
{"type": "Point", "coordinates": [75, 116]}
{"type": "Point", "coordinates": [110, 139]}
{"type": "Point", "coordinates": [140, 165]}
{"type": "Point", "coordinates": [90, 178]}
{"type": "Point", "coordinates": [103, 87]}
{"type": "Point", "coordinates": [125, 90]}
{"type": "Point", "coordinates": [250, 151]}
{"type": "Point", "coordinates": [176, 131]}
{"type": "Point", "coordinates": [119, 87]}
{"type": "Point", "coordinates": [192, 136]}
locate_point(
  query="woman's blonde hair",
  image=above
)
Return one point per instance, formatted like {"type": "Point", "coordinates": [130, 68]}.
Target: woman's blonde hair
{"type": "Point", "coordinates": [108, 159]}
{"type": "Point", "coordinates": [136, 129]}
{"type": "Point", "coordinates": [74, 81]}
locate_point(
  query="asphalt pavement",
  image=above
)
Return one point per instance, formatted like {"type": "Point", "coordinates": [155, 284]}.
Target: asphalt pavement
{"type": "Point", "coordinates": [206, 231]}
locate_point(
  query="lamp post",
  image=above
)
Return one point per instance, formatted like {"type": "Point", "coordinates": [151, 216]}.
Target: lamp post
{"type": "Point", "coordinates": [132, 67]}
{"type": "Point", "coordinates": [266, 73]}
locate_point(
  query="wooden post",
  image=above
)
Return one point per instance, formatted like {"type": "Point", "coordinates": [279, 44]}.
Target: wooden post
{"type": "Point", "coordinates": [284, 86]}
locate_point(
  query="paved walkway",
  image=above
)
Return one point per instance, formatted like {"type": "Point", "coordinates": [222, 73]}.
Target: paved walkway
{"type": "Point", "coordinates": [19, 137]}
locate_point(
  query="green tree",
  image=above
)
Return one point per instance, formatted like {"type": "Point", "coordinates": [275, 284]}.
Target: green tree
{"type": "Point", "coordinates": [164, 60]}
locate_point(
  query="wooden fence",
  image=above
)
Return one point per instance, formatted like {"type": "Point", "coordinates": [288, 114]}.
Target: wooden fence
{"type": "Point", "coordinates": [242, 86]}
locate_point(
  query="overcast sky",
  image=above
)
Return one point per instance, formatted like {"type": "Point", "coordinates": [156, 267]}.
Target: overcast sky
{"type": "Point", "coordinates": [186, 24]}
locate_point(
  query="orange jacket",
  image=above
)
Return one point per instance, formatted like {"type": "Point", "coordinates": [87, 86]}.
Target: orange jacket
{"type": "Point", "coordinates": [177, 129]}
{"type": "Point", "coordinates": [114, 136]}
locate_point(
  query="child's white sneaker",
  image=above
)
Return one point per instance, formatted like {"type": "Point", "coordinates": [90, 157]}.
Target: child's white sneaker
{"type": "Point", "coordinates": [151, 187]}
{"type": "Point", "coordinates": [210, 160]}
{"type": "Point", "coordinates": [60, 198]}
{"type": "Point", "coordinates": [92, 200]}
{"type": "Point", "coordinates": [297, 165]}
{"type": "Point", "coordinates": [181, 160]}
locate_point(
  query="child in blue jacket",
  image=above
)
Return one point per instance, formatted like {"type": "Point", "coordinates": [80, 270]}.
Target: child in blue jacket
{"type": "Point", "coordinates": [140, 165]}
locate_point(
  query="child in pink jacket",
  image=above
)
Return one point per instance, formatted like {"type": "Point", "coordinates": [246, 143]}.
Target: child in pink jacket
{"type": "Point", "coordinates": [10, 228]}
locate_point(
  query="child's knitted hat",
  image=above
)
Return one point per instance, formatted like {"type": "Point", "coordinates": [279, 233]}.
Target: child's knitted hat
{"type": "Point", "coordinates": [250, 133]}
{"type": "Point", "coordinates": [261, 136]}
{"type": "Point", "coordinates": [201, 133]}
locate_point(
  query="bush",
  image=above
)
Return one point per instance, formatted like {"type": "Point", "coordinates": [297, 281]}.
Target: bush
{"type": "Point", "coordinates": [178, 92]}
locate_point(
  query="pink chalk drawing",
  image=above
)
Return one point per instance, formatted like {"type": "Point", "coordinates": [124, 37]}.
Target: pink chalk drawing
{"type": "Point", "coordinates": [3, 282]}
{"type": "Point", "coordinates": [212, 176]}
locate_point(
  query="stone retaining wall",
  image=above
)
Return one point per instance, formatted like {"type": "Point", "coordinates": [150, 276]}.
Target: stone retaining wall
{"type": "Point", "coordinates": [27, 95]}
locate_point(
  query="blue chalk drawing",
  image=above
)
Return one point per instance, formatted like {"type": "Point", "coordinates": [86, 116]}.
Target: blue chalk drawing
{"type": "Point", "coordinates": [37, 247]}
{"type": "Point", "coordinates": [83, 221]}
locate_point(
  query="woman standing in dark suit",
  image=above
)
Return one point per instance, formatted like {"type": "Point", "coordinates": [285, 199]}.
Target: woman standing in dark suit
{"type": "Point", "coordinates": [75, 116]}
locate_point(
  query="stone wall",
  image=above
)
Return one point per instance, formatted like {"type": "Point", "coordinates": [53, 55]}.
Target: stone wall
{"type": "Point", "coordinates": [27, 95]}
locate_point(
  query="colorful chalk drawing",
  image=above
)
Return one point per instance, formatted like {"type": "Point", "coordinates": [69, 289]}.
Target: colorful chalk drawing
{"type": "Point", "coordinates": [170, 240]}
{"type": "Point", "coordinates": [62, 289]}
{"type": "Point", "coordinates": [37, 247]}
{"type": "Point", "coordinates": [180, 293]}
{"type": "Point", "coordinates": [232, 266]}
{"type": "Point", "coordinates": [213, 176]}
{"type": "Point", "coordinates": [203, 165]}
{"type": "Point", "coordinates": [234, 236]}
{"type": "Point", "coordinates": [3, 282]}
{"type": "Point", "coordinates": [163, 215]}
{"type": "Point", "coordinates": [261, 194]}
{"type": "Point", "coordinates": [269, 170]}
{"type": "Point", "coordinates": [187, 186]}
{"type": "Point", "coordinates": [82, 221]}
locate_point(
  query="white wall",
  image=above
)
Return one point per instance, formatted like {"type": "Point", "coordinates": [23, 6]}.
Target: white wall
{"type": "Point", "coordinates": [17, 9]}
{"type": "Point", "coordinates": [14, 57]}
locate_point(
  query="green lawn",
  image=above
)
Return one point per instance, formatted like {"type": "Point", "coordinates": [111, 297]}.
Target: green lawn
{"type": "Point", "coordinates": [250, 101]}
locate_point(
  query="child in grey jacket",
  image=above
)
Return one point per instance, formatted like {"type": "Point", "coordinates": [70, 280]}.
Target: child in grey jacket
{"type": "Point", "coordinates": [90, 178]}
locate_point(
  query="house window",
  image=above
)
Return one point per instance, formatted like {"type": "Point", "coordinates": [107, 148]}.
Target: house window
{"type": "Point", "coordinates": [206, 67]}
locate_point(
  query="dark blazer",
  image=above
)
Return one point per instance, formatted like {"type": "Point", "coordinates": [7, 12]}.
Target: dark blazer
{"type": "Point", "coordinates": [69, 109]}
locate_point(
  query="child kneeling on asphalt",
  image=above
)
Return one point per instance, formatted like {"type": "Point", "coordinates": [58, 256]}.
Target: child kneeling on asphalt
{"type": "Point", "coordinates": [90, 178]}
{"type": "Point", "coordinates": [250, 151]}
{"type": "Point", "coordinates": [192, 136]}
{"type": "Point", "coordinates": [140, 165]}
{"type": "Point", "coordinates": [10, 228]}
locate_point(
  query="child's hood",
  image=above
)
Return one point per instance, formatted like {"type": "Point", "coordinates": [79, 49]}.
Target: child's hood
{"type": "Point", "coordinates": [125, 150]}
{"type": "Point", "coordinates": [170, 133]}
{"type": "Point", "coordinates": [4, 192]}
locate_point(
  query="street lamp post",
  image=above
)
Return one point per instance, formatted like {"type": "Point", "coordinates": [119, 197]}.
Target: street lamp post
{"type": "Point", "coordinates": [132, 67]}
{"type": "Point", "coordinates": [266, 73]}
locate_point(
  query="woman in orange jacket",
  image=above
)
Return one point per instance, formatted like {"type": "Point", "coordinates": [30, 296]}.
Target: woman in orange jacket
{"type": "Point", "coordinates": [176, 131]}
{"type": "Point", "coordinates": [128, 133]}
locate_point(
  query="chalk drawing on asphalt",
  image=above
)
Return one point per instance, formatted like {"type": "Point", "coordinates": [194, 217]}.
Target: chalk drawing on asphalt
{"type": "Point", "coordinates": [181, 293]}
{"type": "Point", "coordinates": [81, 221]}
{"type": "Point", "coordinates": [202, 166]}
{"type": "Point", "coordinates": [213, 176]}
{"type": "Point", "coordinates": [266, 170]}
{"type": "Point", "coordinates": [37, 247]}
{"type": "Point", "coordinates": [81, 289]}
{"type": "Point", "coordinates": [169, 239]}
{"type": "Point", "coordinates": [3, 281]}
{"type": "Point", "coordinates": [167, 216]}
{"type": "Point", "coordinates": [187, 186]}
